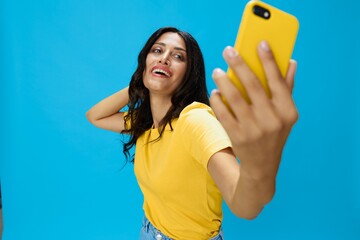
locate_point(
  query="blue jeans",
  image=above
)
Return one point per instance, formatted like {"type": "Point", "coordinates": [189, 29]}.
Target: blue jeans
{"type": "Point", "coordinates": [149, 232]}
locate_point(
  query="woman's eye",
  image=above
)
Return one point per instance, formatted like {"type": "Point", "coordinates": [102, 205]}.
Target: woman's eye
{"type": "Point", "coordinates": [156, 50]}
{"type": "Point", "coordinates": [178, 56]}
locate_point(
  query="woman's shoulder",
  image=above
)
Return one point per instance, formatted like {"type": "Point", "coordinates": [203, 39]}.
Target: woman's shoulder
{"type": "Point", "coordinates": [198, 119]}
{"type": "Point", "coordinates": [196, 113]}
{"type": "Point", "coordinates": [196, 108]}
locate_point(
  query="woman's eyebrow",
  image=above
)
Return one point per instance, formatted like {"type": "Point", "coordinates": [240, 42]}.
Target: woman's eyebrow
{"type": "Point", "coordinates": [176, 48]}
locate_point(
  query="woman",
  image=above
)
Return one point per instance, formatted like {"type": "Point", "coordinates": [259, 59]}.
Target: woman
{"type": "Point", "coordinates": [185, 162]}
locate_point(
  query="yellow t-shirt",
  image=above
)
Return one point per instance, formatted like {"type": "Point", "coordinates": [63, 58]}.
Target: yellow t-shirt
{"type": "Point", "coordinates": [180, 197]}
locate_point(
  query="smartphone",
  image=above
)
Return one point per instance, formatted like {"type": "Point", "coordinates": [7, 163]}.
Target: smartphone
{"type": "Point", "coordinates": [261, 21]}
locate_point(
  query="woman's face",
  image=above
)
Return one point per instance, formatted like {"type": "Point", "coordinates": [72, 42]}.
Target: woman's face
{"type": "Point", "coordinates": [165, 65]}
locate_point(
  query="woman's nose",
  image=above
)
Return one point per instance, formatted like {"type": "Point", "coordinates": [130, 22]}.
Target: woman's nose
{"type": "Point", "coordinates": [164, 59]}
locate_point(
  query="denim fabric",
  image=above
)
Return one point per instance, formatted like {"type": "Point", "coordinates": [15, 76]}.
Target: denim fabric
{"type": "Point", "coordinates": [149, 232]}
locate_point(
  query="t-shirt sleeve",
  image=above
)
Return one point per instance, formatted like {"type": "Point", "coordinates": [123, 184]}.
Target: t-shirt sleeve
{"type": "Point", "coordinates": [202, 134]}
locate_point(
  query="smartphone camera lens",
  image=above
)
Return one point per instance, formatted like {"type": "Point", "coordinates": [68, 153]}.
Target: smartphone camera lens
{"type": "Point", "coordinates": [261, 12]}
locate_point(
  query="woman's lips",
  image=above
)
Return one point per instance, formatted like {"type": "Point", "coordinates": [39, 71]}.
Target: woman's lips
{"type": "Point", "coordinates": [161, 71]}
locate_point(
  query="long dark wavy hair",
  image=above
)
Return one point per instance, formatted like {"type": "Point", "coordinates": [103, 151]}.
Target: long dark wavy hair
{"type": "Point", "coordinates": [192, 88]}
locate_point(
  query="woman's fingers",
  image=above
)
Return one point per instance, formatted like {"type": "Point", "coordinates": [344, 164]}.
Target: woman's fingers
{"type": "Point", "coordinates": [248, 79]}
{"type": "Point", "coordinates": [233, 97]}
{"type": "Point", "coordinates": [275, 81]}
{"type": "Point", "coordinates": [263, 112]}
{"type": "Point", "coordinates": [223, 114]}
{"type": "Point", "coordinates": [280, 87]}
{"type": "Point", "coordinates": [290, 75]}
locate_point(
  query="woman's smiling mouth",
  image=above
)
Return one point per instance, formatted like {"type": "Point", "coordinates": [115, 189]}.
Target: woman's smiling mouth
{"type": "Point", "coordinates": [160, 71]}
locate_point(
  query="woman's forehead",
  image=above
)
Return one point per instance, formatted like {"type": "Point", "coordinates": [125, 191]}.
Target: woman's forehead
{"type": "Point", "coordinates": [171, 39]}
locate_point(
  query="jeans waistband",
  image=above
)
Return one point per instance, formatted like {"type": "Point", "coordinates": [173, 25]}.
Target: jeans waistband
{"type": "Point", "coordinates": [149, 228]}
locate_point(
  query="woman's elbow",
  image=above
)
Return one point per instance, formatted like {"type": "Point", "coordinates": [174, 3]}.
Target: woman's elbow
{"type": "Point", "coordinates": [90, 117]}
{"type": "Point", "coordinates": [247, 216]}
{"type": "Point", "coordinates": [248, 213]}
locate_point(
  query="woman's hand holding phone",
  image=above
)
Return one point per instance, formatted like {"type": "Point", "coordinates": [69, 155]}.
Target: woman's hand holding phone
{"type": "Point", "coordinates": [258, 130]}
{"type": "Point", "coordinates": [254, 102]}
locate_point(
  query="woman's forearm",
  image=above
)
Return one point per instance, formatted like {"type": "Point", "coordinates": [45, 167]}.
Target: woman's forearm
{"type": "Point", "coordinates": [108, 106]}
{"type": "Point", "coordinates": [251, 195]}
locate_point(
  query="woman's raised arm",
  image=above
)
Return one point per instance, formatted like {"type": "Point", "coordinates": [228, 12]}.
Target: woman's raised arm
{"type": "Point", "coordinates": [258, 131]}
{"type": "Point", "coordinates": [106, 115]}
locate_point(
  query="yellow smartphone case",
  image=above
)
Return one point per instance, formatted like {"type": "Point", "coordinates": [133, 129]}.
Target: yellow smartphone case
{"type": "Point", "coordinates": [279, 30]}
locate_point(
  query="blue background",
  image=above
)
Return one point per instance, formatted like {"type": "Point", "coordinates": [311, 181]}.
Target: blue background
{"type": "Point", "coordinates": [62, 178]}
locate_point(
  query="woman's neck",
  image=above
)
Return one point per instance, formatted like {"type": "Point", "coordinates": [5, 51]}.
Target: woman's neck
{"type": "Point", "coordinates": [160, 105]}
